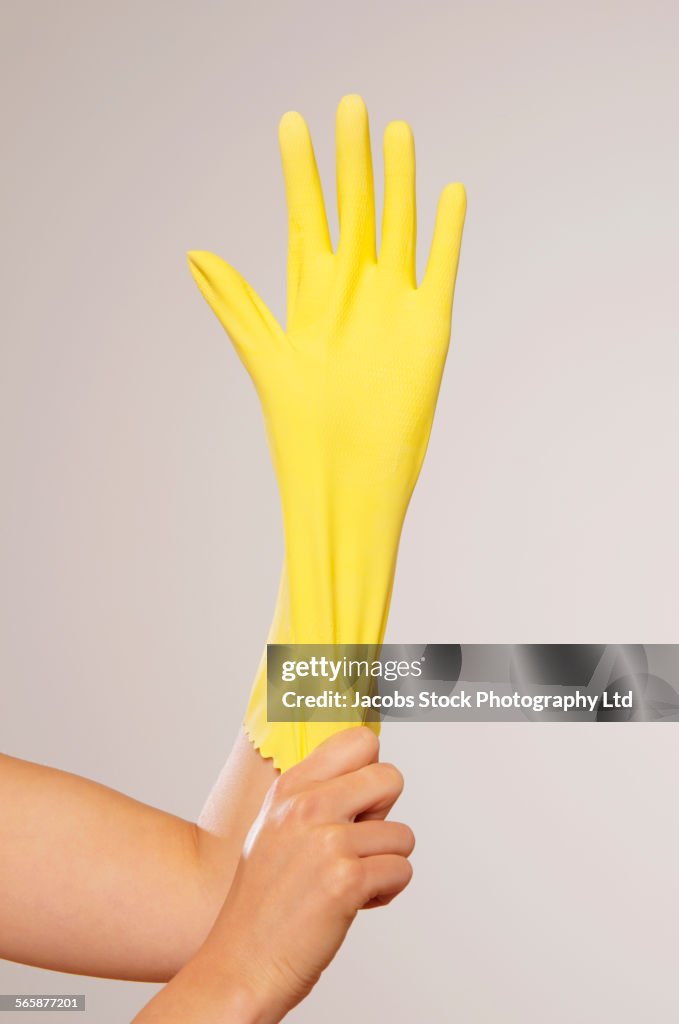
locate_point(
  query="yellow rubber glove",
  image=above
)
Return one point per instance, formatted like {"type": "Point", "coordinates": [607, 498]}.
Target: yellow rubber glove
{"type": "Point", "coordinates": [348, 390]}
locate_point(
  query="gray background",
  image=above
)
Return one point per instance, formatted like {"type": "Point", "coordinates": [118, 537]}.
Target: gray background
{"type": "Point", "coordinates": [140, 540]}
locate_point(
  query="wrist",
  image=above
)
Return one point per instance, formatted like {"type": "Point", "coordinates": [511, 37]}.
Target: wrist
{"type": "Point", "coordinates": [249, 988]}
{"type": "Point", "coordinates": [242, 1005]}
{"type": "Point", "coordinates": [238, 997]}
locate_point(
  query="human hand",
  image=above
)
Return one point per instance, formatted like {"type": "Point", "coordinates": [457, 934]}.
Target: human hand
{"type": "Point", "coordinates": [318, 852]}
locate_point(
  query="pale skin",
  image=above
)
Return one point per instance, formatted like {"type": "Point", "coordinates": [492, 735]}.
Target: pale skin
{"type": "Point", "coordinates": [319, 851]}
{"type": "Point", "coordinates": [94, 882]}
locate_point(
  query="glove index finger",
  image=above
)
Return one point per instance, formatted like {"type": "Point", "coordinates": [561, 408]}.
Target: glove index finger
{"type": "Point", "coordinates": [306, 209]}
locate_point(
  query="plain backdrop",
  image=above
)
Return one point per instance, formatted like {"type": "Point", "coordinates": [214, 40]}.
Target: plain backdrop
{"type": "Point", "coordinates": [140, 541]}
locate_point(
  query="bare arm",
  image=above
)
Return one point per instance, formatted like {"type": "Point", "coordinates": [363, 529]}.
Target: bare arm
{"type": "Point", "coordinates": [318, 852]}
{"type": "Point", "coordinates": [94, 882]}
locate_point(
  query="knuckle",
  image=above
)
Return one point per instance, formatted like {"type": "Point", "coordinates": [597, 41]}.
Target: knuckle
{"type": "Point", "coordinates": [330, 839]}
{"type": "Point", "coordinates": [281, 787]}
{"type": "Point", "coordinates": [302, 808]}
{"type": "Point", "coordinates": [343, 880]}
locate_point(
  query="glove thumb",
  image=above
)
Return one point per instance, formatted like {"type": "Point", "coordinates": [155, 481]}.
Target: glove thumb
{"type": "Point", "coordinates": [245, 317]}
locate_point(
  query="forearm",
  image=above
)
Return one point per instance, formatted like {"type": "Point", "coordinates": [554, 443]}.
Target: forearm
{"type": "Point", "coordinates": [95, 882]}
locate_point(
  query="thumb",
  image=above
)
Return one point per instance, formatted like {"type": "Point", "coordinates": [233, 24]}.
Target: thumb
{"type": "Point", "coordinates": [245, 317]}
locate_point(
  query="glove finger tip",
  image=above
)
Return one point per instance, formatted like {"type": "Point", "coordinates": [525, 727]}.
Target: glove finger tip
{"type": "Point", "coordinates": [352, 113]}
{"type": "Point", "coordinates": [399, 134]}
{"type": "Point", "coordinates": [455, 195]}
{"type": "Point", "coordinates": [292, 127]}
